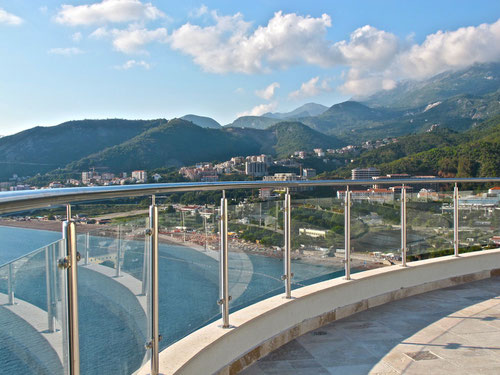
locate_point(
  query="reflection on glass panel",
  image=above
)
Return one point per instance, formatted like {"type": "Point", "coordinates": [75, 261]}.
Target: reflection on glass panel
{"type": "Point", "coordinates": [479, 220]}
{"type": "Point", "coordinates": [32, 300]}
{"type": "Point", "coordinates": [255, 252]}
{"type": "Point", "coordinates": [430, 224]}
{"type": "Point", "coordinates": [317, 240]}
{"type": "Point", "coordinates": [375, 229]}
{"type": "Point", "coordinates": [188, 269]}
{"type": "Point", "coordinates": [112, 292]}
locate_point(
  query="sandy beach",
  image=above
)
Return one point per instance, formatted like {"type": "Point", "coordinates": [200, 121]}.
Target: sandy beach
{"type": "Point", "coordinates": [194, 241]}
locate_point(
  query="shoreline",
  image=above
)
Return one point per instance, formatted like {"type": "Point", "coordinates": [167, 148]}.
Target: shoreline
{"type": "Point", "coordinates": [166, 238]}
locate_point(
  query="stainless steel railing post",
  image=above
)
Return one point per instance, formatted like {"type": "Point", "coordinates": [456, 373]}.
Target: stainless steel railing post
{"type": "Point", "coordinates": [403, 226]}
{"type": "Point", "coordinates": [69, 263]}
{"type": "Point", "coordinates": [50, 288]}
{"type": "Point", "coordinates": [10, 285]}
{"type": "Point", "coordinates": [287, 218]}
{"type": "Point", "coordinates": [224, 264]}
{"type": "Point", "coordinates": [347, 233]}
{"type": "Point", "coordinates": [455, 220]}
{"type": "Point", "coordinates": [155, 334]}
{"type": "Point", "coordinates": [118, 252]}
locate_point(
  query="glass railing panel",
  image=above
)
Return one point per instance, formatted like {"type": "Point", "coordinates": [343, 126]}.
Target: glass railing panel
{"type": "Point", "coordinates": [32, 305]}
{"type": "Point", "coordinates": [112, 289]}
{"type": "Point", "coordinates": [375, 231]}
{"type": "Point", "coordinates": [317, 238]}
{"type": "Point", "coordinates": [429, 224]}
{"type": "Point", "coordinates": [255, 234]}
{"type": "Point", "coordinates": [188, 269]}
{"type": "Point", "coordinates": [479, 220]}
{"type": "Point", "coordinates": [20, 237]}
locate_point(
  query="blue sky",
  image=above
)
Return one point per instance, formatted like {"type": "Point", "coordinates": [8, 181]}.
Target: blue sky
{"type": "Point", "coordinates": [65, 60]}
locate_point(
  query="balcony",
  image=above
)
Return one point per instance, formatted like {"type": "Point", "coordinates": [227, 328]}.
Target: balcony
{"type": "Point", "coordinates": [165, 288]}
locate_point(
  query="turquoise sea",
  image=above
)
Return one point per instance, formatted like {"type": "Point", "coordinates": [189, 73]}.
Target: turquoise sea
{"type": "Point", "coordinates": [113, 325]}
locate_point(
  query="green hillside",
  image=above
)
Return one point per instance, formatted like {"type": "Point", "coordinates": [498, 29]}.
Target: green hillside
{"type": "Point", "coordinates": [179, 143]}
{"type": "Point", "coordinates": [479, 79]}
{"type": "Point", "coordinates": [254, 122]}
{"type": "Point", "coordinates": [204, 122]}
{"type": "Point", "coordinates": [295, 136]}
{"type": "Point", "coordinates": [42, 149]}
{"type": "Point", "coordinates": [175, 143]}
{"type": "Point", "coordinates": [475, 153]}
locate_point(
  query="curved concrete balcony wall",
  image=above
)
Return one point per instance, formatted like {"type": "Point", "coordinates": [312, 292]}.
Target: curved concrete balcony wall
{"type": "Point", "coordinates": [23, 326]}
{"type": "Point", "coordinates": [267, 325]}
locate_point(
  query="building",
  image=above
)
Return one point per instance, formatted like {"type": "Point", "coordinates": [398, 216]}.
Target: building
{"type": "Point", "coordinates": [107, 176]}
{"type": "Point", "coordinates": [309, 173]}
{"type": "Point", "coordinates": [55, 185]}
{"type": "Point", "coordinates": [315, 233]}
{"type": "Point", "coordinates": [209, 178]}
{"type": "Point", "coordinates": [282, 177]}
{"type": "Point", "coordinates": [255, 168]}
{"type": "Point", "coordinates": [375, 195]}
{"type": "Point", "coordinates": [140, 176]}
{"type": "Point", "coordinates": [89, 177]}
{"type": "Point", "coordinates": [265, 193]}
{"type": "Point", "coordinates": [364, 173]}
{"type": "Point", "coordinates": [494, 190]}
{"type": "Point", "coordinates": [319, 152]}
{"type": "Point", "coordinates": [20, 187]}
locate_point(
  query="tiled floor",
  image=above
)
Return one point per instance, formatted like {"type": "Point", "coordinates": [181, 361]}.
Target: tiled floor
{"type": "Point", "coordinates": [448, 331]}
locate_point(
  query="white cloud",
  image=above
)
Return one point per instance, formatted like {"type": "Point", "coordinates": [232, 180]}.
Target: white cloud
{"type": "Point", "coordinates": [9, 18]}
{"type": "Point", "coordinates": [201, 11]}
{"type": "Point", "coordinates": [363, 83]}
{"type": "Point", "coordinates": [448, 50]}
{"type": "Point", "coordinates": [375, 59]}
{"type": "Point", "coordinates": [107, 11]}
{"type": "Point", "coordinates": [268, 92]}
{"type": "Point", "coordinates": [230, 46]}
{"type": "Point", "coordinates": [133, 39]}
{"type": "Point", "coordinates": [77, 37]}
{"type": "Point", "coordinates": [65, 51]}
{"type": "Point", "coordinates": [259, 110]}
{"type": "Point", "coordinates": [239, 90]}
{"type": "Point", "coordinates": [441, 51]}
{"type": "Point", "coordinates": [368, 46]}
{"type": "Point", "coordinates": [310, 88]}
{"type": "Point", "coordinates": [132, 64]}
{"type": "Point", "coordinates": [43, 9]}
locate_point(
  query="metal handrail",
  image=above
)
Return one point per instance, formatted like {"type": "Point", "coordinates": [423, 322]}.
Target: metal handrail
{"type": "Point", "coordinates": [25, 200]}
{"type": "Point", "coordinates": [36, 251]}
{"type": "Point", "coordinates": [32, 199]}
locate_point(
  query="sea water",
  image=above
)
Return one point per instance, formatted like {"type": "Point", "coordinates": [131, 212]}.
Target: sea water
{"type": "Point", "coordinates": [111, 342]}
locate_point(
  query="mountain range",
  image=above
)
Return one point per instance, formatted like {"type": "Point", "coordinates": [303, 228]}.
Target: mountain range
{"type": "Point", "coordinates": [448, 104]}
{"type": "Point", "coordinates": [124, 145]}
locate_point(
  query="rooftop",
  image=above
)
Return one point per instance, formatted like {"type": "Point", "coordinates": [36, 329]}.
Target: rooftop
{"type": "Point", "coordinates": [447, 331]}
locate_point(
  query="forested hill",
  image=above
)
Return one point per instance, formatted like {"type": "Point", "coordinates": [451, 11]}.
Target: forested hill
{"type": "Point", "coordinates": [179, 143]}
{"type": "Point", "coordinates": [41, 149]}
{"type": "Point", "coordinates": [474, 153]}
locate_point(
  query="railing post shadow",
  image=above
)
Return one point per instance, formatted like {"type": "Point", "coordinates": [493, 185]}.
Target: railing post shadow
{"type": "Point", "coordinates": [224, 264]}
{"type": "Point", "coordinates": [118, 252]}
{"type": "Point", "coordinates": [87, 247]}
{"type": "Point", "coordinates": [347, 233]}
{"type": "Point", "coordinates": [10, 285]}
{"type": "Point", "coordinates": [287, 221]}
